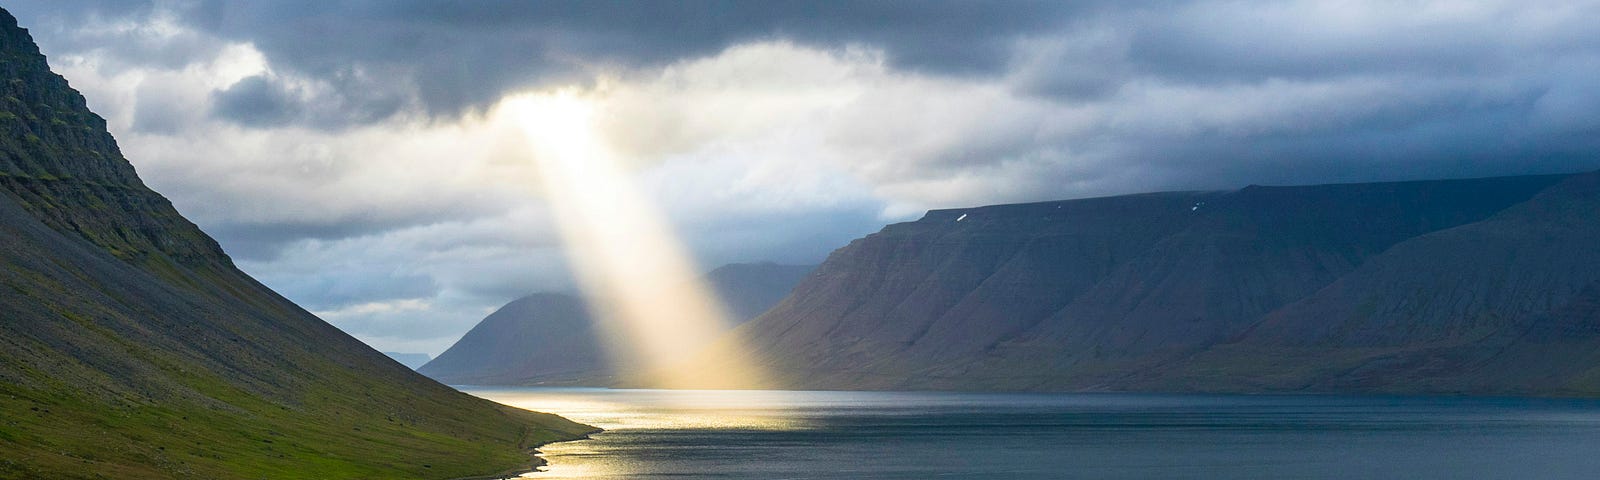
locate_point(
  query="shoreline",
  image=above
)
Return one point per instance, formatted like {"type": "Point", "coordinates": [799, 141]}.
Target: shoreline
{"type": "Point", "coordinates": [534, 463]}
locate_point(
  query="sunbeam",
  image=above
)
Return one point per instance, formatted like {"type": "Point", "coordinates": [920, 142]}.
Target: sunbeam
{"type": "Point", "coordinates": [636, 275]}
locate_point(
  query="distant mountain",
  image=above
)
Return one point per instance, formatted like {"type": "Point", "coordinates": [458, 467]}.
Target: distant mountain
{"type": "Point", "coordinates": [1396, 287]}
{"type": "Point", "coordinates": [550, 338]}
{"type": "Point", "coordinates": [410, 360]}
{"type": "Point", "coordinates": [544, 338]}
{"type": "Point", "coordinates": [132, 348]}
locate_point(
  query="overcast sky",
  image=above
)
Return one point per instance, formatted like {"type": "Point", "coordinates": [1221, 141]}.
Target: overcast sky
{"type": "Point", "coordinates": [347, 154]}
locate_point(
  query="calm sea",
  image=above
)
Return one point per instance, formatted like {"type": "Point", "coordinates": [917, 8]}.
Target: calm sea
{"type": "Point", "coordinates": [877, 435]}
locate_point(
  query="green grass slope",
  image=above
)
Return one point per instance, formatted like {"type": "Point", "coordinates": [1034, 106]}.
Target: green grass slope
{"type": "Point", "coordinates": [131, 347]}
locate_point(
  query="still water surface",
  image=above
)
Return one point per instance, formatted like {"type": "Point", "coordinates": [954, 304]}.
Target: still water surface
{"type": "Point", "coordinates": [878, 435]}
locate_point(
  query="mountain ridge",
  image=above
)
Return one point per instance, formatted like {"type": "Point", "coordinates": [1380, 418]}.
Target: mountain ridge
{"type": "Point", "coordinates": [1107, 294]}
{"type": "Point", "coordinates": [133, 347]}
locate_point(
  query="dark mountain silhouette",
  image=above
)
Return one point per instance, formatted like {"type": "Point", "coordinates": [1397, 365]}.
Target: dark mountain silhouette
{"type": "Point", "coordinates": [550, 338]}
{"type": "Point", "coordinates": [1405, 287]}
{"type": "Point", "coordinates": [131, 347]}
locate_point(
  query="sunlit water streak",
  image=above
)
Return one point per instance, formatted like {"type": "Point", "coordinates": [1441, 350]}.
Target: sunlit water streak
{"type": "Point", "coordinates": [880, 435]}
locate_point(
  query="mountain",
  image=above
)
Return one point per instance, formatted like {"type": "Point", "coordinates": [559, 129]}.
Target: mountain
{"type": "Point", "coordinates": [550, 338]}
{"type": "Point", "coordinates": [410, 360]}
{"type": "Point", "coordinates": [1507, 305]}
{"type": "Point", "coordinates": [131, 346]}
{"type": "Point", "coordinates": [544, 338]}
{"type": "Point", "coordinates": [1310, 288]}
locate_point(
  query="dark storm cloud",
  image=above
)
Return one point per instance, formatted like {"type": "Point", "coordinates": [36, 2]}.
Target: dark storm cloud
{"type": "Point", "coordinates": [451, 57]}
{"type": "Point", "coordinates": [265, 101]}
{"type": "Point", "coordinates": [121, 29]}
{"type": "Point", "coordinates": [461, 55]}
{"type": "Point", "coordinates": [454, 57]}
{"type": "Point", "coordinates": [256, 101]}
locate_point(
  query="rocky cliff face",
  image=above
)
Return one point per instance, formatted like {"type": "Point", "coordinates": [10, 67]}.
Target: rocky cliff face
{"type": "Point", "coordinates": [550, 338]}
{"type": "Point", "coordinates": [1131, 292]}
{"type": "Point", "coordinates": [59, 163]}
{"type": "Point", "coordinates": [133, 348]}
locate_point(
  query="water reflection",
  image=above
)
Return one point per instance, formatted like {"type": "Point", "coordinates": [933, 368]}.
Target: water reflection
{"type": "Point", "coordinates": [868, 435]}
{"type": "Point", "coordinates": [623, 410]}
{"type": "Point", "coordinates": [647, 414]}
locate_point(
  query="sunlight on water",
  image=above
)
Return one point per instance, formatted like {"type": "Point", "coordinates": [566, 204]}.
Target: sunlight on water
{"type": "Point", "coordinates": [638, 278]}
{"type": "Point", "coordinates": [621, 411]}
{"type": "Point", "coordinates": [762, 435]}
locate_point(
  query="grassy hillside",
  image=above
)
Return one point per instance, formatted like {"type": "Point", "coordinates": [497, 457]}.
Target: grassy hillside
{"type": "Point", "coordinates": [131, 347]}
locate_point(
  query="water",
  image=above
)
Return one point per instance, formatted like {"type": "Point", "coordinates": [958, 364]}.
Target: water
{"type": "Point", "coordinates": [876, 435]}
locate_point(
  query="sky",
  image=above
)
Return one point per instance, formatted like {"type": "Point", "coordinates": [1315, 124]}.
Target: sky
{"type": "Point", "coordinates": [354, 156]}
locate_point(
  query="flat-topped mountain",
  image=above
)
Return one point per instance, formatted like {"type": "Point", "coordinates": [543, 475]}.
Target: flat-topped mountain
{"type": "Point", "coordinates": [551, 339]}
{"type": "Point", "coordinates": [1403, 287]}
{"type": "Point", "coordinates": [131, 346]}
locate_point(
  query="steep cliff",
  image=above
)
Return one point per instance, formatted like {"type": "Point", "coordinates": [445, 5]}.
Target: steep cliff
{"type": "Point", "coordinates": [131, 346]}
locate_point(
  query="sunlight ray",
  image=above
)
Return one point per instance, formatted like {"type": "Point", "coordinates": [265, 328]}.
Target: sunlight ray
{"type": "Point", "coordinates": [638, 278]}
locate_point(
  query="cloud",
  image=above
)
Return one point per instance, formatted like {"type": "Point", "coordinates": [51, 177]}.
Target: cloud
{"type": "Point", "coordinates": [458, 57]}
{"type": "Point", "coordinates": [257, 101]}
{"type": "Point", "coordinates": [162, 108]}
{"type": "Point", "coordinates": [350, 154]}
